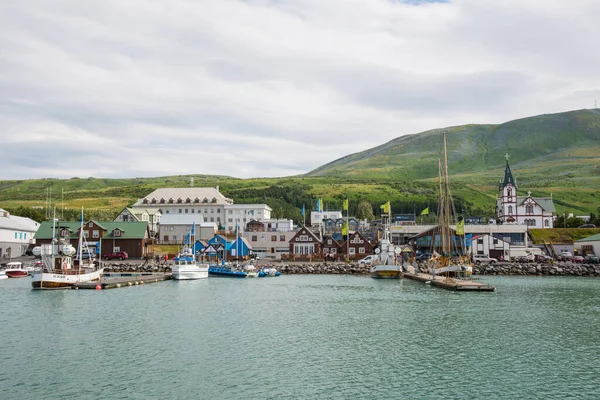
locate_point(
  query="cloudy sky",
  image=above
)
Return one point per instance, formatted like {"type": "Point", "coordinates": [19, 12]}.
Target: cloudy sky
{"type": "Point", "coordinates": [254, 88]}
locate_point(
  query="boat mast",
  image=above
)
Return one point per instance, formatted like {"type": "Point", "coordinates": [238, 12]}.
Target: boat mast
{"type": "Point", "coordinates": [80, 244]}
{"type": "Point", "coordinates": [441, 209]}
{"type": "Point", "coordinates": [447, 197]}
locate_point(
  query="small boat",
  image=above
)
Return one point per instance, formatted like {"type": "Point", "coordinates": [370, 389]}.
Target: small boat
{"type": "Point", "coordinates": [3, 275]}
{"type": "Point", "coordinates": [227, 272]}
{"type": "Point", "coordinates": [185, 267]}
{"type": "Point", "coordinates": [251, 271]}
{"type": "Point", "coordinates": [60, 270]}
{"type": "Point", "coordinates": [15, 269]}
{"type": "Point", "coordinates": [266, 272]}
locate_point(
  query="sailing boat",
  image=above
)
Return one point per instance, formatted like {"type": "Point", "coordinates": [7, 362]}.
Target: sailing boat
{"type": "Point", "coordinates": [452, 261]}
{"type": "Point", "coordinates": [59, 270]}
{"type": "Point", "coordinates": [386, 268]}
{"type": "Point", "coordinates": [186, 266]}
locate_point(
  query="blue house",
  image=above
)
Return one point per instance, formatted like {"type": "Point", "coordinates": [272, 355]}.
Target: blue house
{"type": "Point", "coordinates": [199, 246]}
{"type": "Point", "coordinates": [239, 248]}
{"type": "Point", "coordinates": [218, 239]}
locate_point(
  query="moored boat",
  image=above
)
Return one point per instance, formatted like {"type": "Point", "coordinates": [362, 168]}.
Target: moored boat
{"type": "Point", "coordinates": [266, 272]}
{"type": "Point", "coordinates": [186, 267]}
{"type": "Point", "coordinates": [226, 272]}
{"type": "Point", "coordinates": [15, 269]}
{"type": "Point", "coordinates": [60, 270]}
{"type": "Point", "coordinates": [386, 266]}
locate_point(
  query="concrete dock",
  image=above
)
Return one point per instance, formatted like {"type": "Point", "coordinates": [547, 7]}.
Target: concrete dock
{"type": "Point", "coordinates": [462, 285]}
{"type": "Point", "coordinates": [113, 281]}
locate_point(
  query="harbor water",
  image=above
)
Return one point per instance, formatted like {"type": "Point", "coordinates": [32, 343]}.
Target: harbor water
{"type": "Point", "coordinates": [306, 336]}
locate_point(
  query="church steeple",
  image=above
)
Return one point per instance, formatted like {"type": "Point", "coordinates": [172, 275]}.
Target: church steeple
{"type": "Point", "coordinates": [508, 177]}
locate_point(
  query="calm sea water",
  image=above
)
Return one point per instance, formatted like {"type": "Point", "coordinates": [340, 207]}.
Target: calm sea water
{"type": "Point", "coordinates": [325, 337]}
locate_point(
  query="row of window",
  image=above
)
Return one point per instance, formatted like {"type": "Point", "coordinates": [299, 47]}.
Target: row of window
{"type": "Point", "coordinates": [21, 235]}
{"type": "Point", "coordinates": [254, 238]}
{"type": "Point", "coordinates": [178, 201]}
{"type": "Point", "coordinates": [352, 250]}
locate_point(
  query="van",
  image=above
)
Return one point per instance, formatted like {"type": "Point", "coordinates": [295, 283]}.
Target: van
{"type": "Point", "coordinates": [368, 260]}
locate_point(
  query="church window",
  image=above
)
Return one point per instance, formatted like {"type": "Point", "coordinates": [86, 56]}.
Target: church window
{"type": "Point", "coordinates": [509, 192]}
{"type": "Point", "coordinates": [546, 223]}
{"type": "Point", "coordinates": [510, 209]}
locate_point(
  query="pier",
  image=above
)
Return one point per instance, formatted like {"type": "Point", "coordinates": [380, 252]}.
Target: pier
{"type": "Point", "coordinates": [119, 280]}
{"type": "Point", "coordinates": [459, 285]}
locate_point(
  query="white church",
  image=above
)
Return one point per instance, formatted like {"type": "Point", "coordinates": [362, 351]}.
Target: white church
{"type": "Point", "coordinates": [535, 212]}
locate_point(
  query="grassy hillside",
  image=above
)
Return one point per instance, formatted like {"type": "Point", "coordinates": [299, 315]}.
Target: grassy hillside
{"type": "Point", "coordinates": [556, 155]}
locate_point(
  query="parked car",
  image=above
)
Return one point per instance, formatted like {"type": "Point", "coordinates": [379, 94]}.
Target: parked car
{"type": "Point", "coordinates": [577, 259]}
{"type": "Point", "coordinates": [482, 258]}
{"type": "Point", "coordinates": [542, 258]}
{"type": "Point", "coordinates": [368, 260]}
{"type": "Point", "coordinates": [591, 259]}
{"type": "Point", "coordinates": [526, 258]}
{"type": "Point", "coordinates": [566, 255]}
{"type": "Point", "coordinates": [118, 255]}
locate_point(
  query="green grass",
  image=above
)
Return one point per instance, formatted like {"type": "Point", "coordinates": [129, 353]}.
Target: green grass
{"type": "Point", "coordinates": [561, 235]}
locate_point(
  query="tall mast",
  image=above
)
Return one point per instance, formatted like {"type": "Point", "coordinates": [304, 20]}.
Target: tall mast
{"type": "Point", "coordinates": [447, 196]}
{"type": "Point", "coordinates": [441, 208]}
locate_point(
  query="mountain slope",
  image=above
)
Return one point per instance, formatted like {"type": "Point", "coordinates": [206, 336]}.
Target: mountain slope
{"type": "Point", "coordinates": [564, 143]}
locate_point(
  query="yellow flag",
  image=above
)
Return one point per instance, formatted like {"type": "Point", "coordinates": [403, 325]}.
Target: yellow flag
{"type": "Point", "coordinates": [385, 207]}
{"type": "Point", "coordinates": [345, 228]}
{"type": "Point", "coordinates": [345, 205]}
{"type": "Point", "coordinates": [425, 211]}
{"type": "Point", "coordinates": [460, 227]}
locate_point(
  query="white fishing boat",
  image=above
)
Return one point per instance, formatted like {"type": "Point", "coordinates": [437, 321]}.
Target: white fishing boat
{"type": "Point", "coordinates": [185, 266]}
{"type": "Point", "coordinates": [60, 269]}
{"type": "Point", "coordinates": [386, 265]}
{"type": "Point", "coordinates": [251, 271]}
{"type": "Point", "coordinates": [15, 269]}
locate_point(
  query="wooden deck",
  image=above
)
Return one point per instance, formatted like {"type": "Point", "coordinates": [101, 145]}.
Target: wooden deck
{"type": "Point", "coordinates": [462, 285]}
{"type": "Point", "coordinates": [113, 281]}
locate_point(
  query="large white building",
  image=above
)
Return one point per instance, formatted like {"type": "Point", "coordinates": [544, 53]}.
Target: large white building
{"type": "Point", "coordinates": [535, 212]}
{"type": "Point", "coordinates": [205, 201]}
{"type": "Point", "coordinates": [16, 234]}
{"type": "Point", "coordinates": [175, 227]}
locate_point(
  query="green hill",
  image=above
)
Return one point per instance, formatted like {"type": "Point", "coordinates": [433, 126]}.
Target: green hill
{"type": "Point", "coordinates": [557, 154]}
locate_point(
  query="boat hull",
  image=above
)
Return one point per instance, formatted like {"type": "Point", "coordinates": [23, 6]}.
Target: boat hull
{"type": "Point", "coordinates": [16, 273]}
{"type": "Point", "coordinates": [454, 269]}
{"type": "Point", "coordinates": [49, 280]}
{"type": "Point", "coordinates": [183, 274]}
{"type": "Point", "coordinates": [386, 272]}
{"type": "Point", "coordinates": [226, 273]}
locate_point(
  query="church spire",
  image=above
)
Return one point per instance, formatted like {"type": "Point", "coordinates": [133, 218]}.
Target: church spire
{"type": "Point", "coordinates": [508, 177]}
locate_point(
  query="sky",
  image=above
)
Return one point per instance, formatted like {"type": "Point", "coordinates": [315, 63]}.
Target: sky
{"type": "Point", "coordinates": [262, 88]}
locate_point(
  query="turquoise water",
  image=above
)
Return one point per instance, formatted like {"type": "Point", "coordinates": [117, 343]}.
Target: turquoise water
{"type": "Point", "coordinates": [325, 337]}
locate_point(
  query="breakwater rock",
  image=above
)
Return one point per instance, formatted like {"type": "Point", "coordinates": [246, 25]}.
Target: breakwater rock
{"type": "Point", "coordinates": [135, 267]}
{"type": "Point", "coordinates": [323, 268]}
{"type": "Point", "coordinates": [557, 269]}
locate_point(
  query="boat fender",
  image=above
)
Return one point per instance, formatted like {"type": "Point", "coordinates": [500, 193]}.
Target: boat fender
{"type": "Point", "coordinates": [98, 287]}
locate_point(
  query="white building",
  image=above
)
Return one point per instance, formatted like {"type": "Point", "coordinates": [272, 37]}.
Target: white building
{"type": "Point", "coordinates": [16, 234]}
{"type": "Point", "coordinates": [317, 217]}
{"type": "Point", "coordinates": [490, 246]}
{"type": "Point", "coordinates": [241, 214]}
{"type": "Point", "coordinates": [269, 245]}
{"type": "Point", "coordinates": [174, 228]}
{"type": "Point", "coordinates": [588, 245]}
{"type": "Point", "coordinates": [151, 215]}
{"type": "Point", "coordinates": [206, 201]}
{"type": "Point", "coordinates": [278, 225]}
{"type": "Point", "coordinates": [526, 210]}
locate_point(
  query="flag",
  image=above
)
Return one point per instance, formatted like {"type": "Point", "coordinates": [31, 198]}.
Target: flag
{"type": "Point", "coordinates": [318, 204]}
{"type": "Point", "coordinates": [425, 211]}
{"type": "Point", "coordinates": [345, 228]}
{"type": "Point", "coordinates": [468, 240]}
{"type": "Point", "coordinates": [321, 205]}
{"type": "Point", "coordinates": [345, 205]}
{"type": "Point", "coordinates": [460, 227]}
{"type": "Point", "coordinates": [193, 228]}
{"type": "Point", "coordinates": [303, 211]}
{"type": "Point", "coordinates": [385, 207]}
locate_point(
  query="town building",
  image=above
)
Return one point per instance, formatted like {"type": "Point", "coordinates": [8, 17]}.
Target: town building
{"type": "Point", "coordinates": [588, 245]}
{"type": "Point", "coordinates": [101, 237]}
{"type": "Point", "coordinates": [332, 249]}
{"type": "Point", "coordinates": [535, 212]}
{"type": "Point", "coordinates": [269, 245]}
{"type": "Point", "coordinates": [177, 228]}
{"type": "Point", "coordinates": [151, 215]}
{"type": "Point", "coordinates": [488, 245]}
{"type": "Point", "coordinates": [16, 234]}
{"type": "Point", "coordinates": [317, 217]}
{"type": "Point", "coordinates": [356, 247]}
{"type": "Point", "coordinates": [206, 201]}
{"type": "Point", "coordinates": [304, 244]}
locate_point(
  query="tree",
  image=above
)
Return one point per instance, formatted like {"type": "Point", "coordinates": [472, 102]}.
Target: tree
{"type": "Point", "coordinates": [364, 210]}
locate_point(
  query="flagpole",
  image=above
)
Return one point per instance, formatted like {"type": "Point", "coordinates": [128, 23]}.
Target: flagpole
{"type": "Point", "coordinates": [347, 231]}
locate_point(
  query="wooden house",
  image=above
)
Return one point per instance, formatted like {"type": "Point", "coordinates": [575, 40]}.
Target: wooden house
{"type": "Point", "coordinates": [305, 244]}
{"type": "Point", "coordinates": [331, 248]}
{"type": "Point", "coordinates": [356, 247]}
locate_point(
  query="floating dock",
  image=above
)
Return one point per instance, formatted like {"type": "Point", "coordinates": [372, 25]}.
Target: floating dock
{"type": "Point", "coordinates": [118, 280]}
{"type": "Point", "coordinates": [460, 285]}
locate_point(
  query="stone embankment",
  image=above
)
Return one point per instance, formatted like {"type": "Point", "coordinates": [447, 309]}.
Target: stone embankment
{"type": "Point", "coordinates": [323, 268]}
{"type": "Point", "coordinates": [565, 268]}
